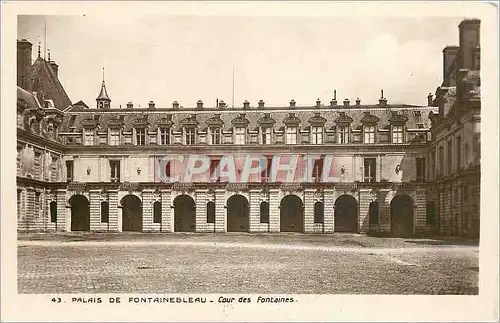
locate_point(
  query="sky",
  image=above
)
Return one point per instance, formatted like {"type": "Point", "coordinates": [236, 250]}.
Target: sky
{"type": "Point", "coordinates": [276, 59]}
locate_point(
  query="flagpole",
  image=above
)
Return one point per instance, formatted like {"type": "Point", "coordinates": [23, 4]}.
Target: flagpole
{"type": "Point", "coordinates": [45, 40]}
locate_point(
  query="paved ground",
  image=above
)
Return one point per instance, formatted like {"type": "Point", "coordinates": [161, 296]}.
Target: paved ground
{"type": "Point", "coordinates": [244, 263]}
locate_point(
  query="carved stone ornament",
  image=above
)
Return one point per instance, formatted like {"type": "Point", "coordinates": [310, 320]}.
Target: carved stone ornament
{"type": "Point", "coordinates": [89, 170]}
{"type": "Point", "coordinates": [398, 169]}
{"type": "Point", "coordinates": [139, 170]}
{"type": "Point", "coordinates": [318, 195]}
{"type": "Point", "coordinates": [342, 169]}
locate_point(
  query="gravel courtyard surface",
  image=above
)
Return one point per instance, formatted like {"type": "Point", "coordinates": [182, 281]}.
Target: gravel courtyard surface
{"type": "Point", "coordinates": [245, 263]}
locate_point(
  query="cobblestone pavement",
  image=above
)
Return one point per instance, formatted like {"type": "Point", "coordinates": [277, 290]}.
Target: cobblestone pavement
{"type": "Point", "coordinates": [288, 263]}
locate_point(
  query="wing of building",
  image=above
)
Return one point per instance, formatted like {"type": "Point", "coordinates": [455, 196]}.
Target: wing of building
{"type": "Point", "coordinates": [321, 168]}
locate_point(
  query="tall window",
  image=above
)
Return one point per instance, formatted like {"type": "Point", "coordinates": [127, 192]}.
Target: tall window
{"type": "Point", "coordinates": [369, 134]}
{"type": "Point", "coordinates": [317, 170]}
{"type": "Point", "coordinates": [164, 136]}
{"type": "Point", "coordinates": [53, 212]}
{"type": "Point", "coordinates": [210, 212]}
{"type": "Point", "coordinates": [319, 211]}
{"type": "Point", "coordinates": [370, 170]}
{"type": "Point", "coordinates": [420, 169]}
{"type": "Point", "coordinates": [156, 212]}
{"type": "Point", "coordinates": [190, 136]}
{"type": "Point", "coordinates": [441, 161]}
{"type": "Point", "coordinates": [449, 158]}
{"type": "Point", "coordinates": [115, 170]}
{"type": "Point", "coordinates": [37, 203]}
{"type": "Point", "coordinates": [373, 211]}
{"type": "Point", "coordinates": [291, 135]}
{"type": "Point", "coordinates": [69, 170]}
{"type": "Point", "coordinates": [215, 136]}
{"type": "Point", "coordinates": [458, 151]}
{"type": "Point", "coordinates": [343, 135]}
{"type": "Point", "coordinates": [239, 136]}
{"type": "Point", "coordinates": [317, 135]}
{"type": "Point", "coordinates": [264, 212]}
{"type": "Point", "coordinates": [53, 169]}
{"type": "Point", "coordinates": [267, 171]}
{"type": "Point", "coordinates": [89, 137]}
{"type": "Point", "coordinates": [104, 212]}
{"type": "Point", "coordinates": [114, 137]}
{"type": "Point", "coordinates": [397, 134]}
{"type": "Point", "coordinates": [140, 136]}
{"type": "Point", "coordinates": [214, 174]}
{"type": "Point", "coordinates": [37, 172]}
{"type": "Point", "coordinates": [266, 136]}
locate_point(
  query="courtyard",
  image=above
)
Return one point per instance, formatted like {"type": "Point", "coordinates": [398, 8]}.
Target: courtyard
{"type": "Point", "coordinates": [340, 263]}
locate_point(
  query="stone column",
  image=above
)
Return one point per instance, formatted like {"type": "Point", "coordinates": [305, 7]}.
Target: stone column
{"type": "Point", "coordinates": [274, 210]}
{"type": "Point", "coordinates": [113, 211]}
{"type": "Point", "coordinates": [95, 209]}
{"type": "Point", "coordinates": [61, 210]}
{"type": "Point", "coordinates": [30, 210]}
{"type": "Point", "coordinates": [329, 209]}
{"type": "Point", "coordinates": [201, 210]}
{"type": "Point", "coordinates": [420, 216]}
{"type": "Point", "coordinates": [254, 210]}
{"type": "Point", "coordinates": [220, 210]}
{"type": "Point", "coordinates": [309, 210]}
{"type": "Point", "coordinates": [147, 210]}
{"type": "Point", "coordinates": [364, 210]}
{"type": "Point", "coordinates": [167, 211]}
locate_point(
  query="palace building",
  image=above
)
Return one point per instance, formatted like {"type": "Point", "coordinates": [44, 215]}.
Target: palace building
{"type": "Point", "coordinates": [97, 167]}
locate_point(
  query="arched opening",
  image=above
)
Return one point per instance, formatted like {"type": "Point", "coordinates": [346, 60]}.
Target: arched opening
{"type": "Point", "coordinates": [80, 213]}
{"type": "Point", "coordinates": [210, 212]}
{"type": "Point", "coordinates": [131, 213]}
{"type": "Point", "coordinates": [184, 214]}
{"type": "Point", "coordinates": [402, 215]}
{"type": "Point", "coordinates": [156, 212]}
{"type": "Point", "coordinates": [373, 213]}
{"type": "Point", "coordinates": [346, 214]}
{"type": "Point", "coordinates": [264, 212]}
{"type": "Point", "coordinates": [319, 212]}
{"type": "Point", "coordinates": [291, 214]}
{"type": "Point", "coordinates": [104, 212]}
{"type": "Point", "coordinates": [237, 214]}
{"type": "Point", "coordinates": [53, 212]}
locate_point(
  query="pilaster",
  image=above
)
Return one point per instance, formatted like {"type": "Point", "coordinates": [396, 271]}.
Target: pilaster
{"type": "Point", "coordinates": [201, 210]}
{"type": "Point", "coordinates": [274, 210]}
{"type": "Point", "coordinates": [309, 210]}
{"type": "Point", "coordinates": [329, 204]}
{"type": "Point", "coordinates": [147, 210]}
{"type": "Point", "coordinates": [220, 210]}
{"type": "Point", "coordinates": [254, 211]}
{"type": "Point", "coordinates": [95, 209]}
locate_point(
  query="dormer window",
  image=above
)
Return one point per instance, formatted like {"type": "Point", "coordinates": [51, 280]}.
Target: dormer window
{"type": "Point", "coordinates": [89, 137]}
{"type": "Point", "coordinates": [215, 135]}
{"type": "Point", "coordinates": [266, 135]}
{"type": "Point", "coordinates": [239, 135]}
{"type": "Point", "coordinates": [291, 135]}
{"type": "Point", "coordinates": [317, 135]}
{"type": "Point", "coordinates": [164, 136]}
{"type": "Point", "coordinates": [343, 135]}
{"type": "Point", "coordinates": [397, 134]}
{"type": "Point", "coordinates": [140, 136]}
{"type": "Point", "coordinates": [369, 134]}
{"type": "Point", "coordinates": [189, 136]}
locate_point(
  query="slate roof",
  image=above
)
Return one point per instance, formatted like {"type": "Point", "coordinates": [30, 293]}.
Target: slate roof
{"type": "Point", "coordinates": [45, 81]}
{"type": "Point", "coordinates": [29, 98]}
{"type": "Point", "coordinates": [227, 115]}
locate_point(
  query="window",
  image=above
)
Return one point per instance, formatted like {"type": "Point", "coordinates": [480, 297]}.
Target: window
{"type": "Point", "coordinates": [369, 134]}
{"type": "Point", "coordinates": [449, 158]}
{"type": "Point", "coordinates": [104, 212]}
{"type": "Point", "coordinates": [373, 211]}
{"type": "Point", "coordinates": [69, 170]}
{"type": "Point", "coordinates": [114, 137]}
{"type": "Point", "coordinates": [215, 136]}
{"type": "Point", "coordinates": [441, 161]}
{"type": "Point", "coordinates": [19, 120]}
{"type": "Point", "coordinates": [317, 170]}
{"type": "Point", "coordinates": [53, 170]}
{"type": "Point", "coordinates": [318, 212]}
{"type": "Point", "coordinates": [156, 212]}
{"type": "Point", "coordinates": [164, 136]}
{"type": "Point", "coordinates": [291, 135]}
{"type": "Point", "coordinates": [140, 136]}
{"type": "Point", "coordinates": [210, 212]}
{"type": "Point", "coordinates": [343, 135]}
{"type": "Point", "coordinates": [266, 136]}
{"type": "Point", "coordinates": [37, 203]}
{"type": "Point", "coordinates": [89, 137]}
{"type": "Point", "coordinates": [214, 174]}
{"type": "Point", "coordinates": [397, 134]}
{"type": "Point", "coordinates": [264, 212]}
{"type": "Point", "coordinates": [420, 169]}
{"type": "Point", "coordinates": [190, 136]}
{"type": "Point", "coordinates": [459, 152]}
{"type": "Point", "coordinates": [115, 170]}
{"type": "Point", "coordinates": [239, 136]}
{"type": "Point", "coordinates": [267, 171]}
{"type": "Point", "coordinates": [317, 135]}
{"type": "Point", "coordinates": [53, 212]}
{"type": "Point", "coordinates": [370, 168]}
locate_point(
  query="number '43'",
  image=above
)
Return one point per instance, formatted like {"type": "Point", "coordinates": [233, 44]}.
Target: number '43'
{"type": "Point", "coordinates": [56, 300]}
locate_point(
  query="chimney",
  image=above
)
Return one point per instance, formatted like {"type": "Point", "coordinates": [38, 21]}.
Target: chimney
{"type": "Point", "coordinates": [222, 104]}
{"type": "Point", "coordinates": [358, 101]}
{"type": "Point", "coordinates": [23, 63]}
{"type": "Point", "coordinates": [246, 104]}
{"type": "Point", "coordinates": [175, 105]}
{"type": "Point", "coordinates": [469, 31]}
{"type": "Point", "coordinates": [449, 65]}
{"type": "Point", "coordinates": [318, 103]}
{"type": "Point", "coordinates": [151, 104]}
{"type": "Point", "coordinates": [476, 55]}
{"type": "Point", "coordinates": [382, 101]}
{"type": "Point", "coordinates": [429, 100]}
{"type": "Point", "coordinates": [292, 103]}
{"type": "Point", "coordinates": [199, 104]}
{"type": "Point", "coordinates": [130, 105]}
{"type": "Point", "coordinates": [346, 102]}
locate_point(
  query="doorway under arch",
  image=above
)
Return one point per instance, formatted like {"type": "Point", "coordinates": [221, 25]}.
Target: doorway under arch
{"type": "Point", "coordinates": [131, 213]}
{"type": "Point", "coordinates": [238, 219]}
{"type": "Point", "coordinates": [402, 215]}
{"type": "Point", "coordinates": [291, 214]}
{"type": "Point", "coordinates": [184, 214]}
{"type": "Point", "coordinates": [80, 213]}
{"type": "Point", "coordinates": [346, 214]}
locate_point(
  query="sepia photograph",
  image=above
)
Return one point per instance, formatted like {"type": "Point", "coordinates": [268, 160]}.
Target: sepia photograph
{"type": "Point", "coordinates": [239, 158]}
